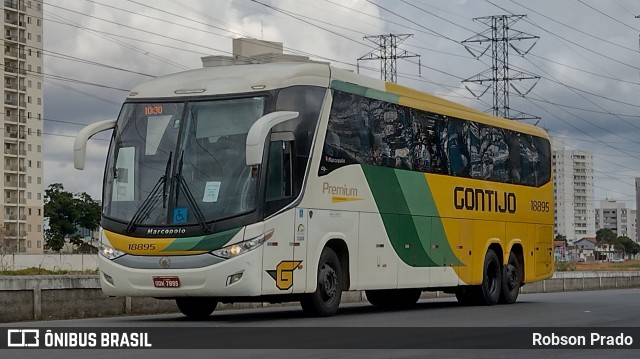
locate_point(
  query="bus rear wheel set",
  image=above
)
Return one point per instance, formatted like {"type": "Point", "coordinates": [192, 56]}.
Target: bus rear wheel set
{"type": "Point", "coordinates": [499, 284]}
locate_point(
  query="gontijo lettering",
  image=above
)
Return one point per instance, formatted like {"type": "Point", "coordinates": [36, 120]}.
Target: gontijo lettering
{"type": "Point", "coordinates": [476, 199]}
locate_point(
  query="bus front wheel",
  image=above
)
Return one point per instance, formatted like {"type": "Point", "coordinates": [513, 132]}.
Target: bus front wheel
{"type": "Point", "coordinates": [196, 308]}
{"type": "Point", "coordinates": [324, 302]}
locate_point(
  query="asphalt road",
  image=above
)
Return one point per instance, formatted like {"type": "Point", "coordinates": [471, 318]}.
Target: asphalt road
{"type": "Point", "coordinates": [614, 309]}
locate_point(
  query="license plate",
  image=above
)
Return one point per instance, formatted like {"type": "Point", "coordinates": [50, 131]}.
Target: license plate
{"type": "Point", "coordinates": [166, 282]}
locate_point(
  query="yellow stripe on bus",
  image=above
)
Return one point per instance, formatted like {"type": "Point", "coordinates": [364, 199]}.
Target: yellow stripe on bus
{"type": "Point", "coordinates": [143, 246]}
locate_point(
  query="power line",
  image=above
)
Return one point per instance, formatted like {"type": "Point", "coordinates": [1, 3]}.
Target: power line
{"type": "Point", "coordinates": [570, 41]}
{"type": "Point", "coordinates": [575, 29]}
{"type": "Point", "coordinates": [608, 16]}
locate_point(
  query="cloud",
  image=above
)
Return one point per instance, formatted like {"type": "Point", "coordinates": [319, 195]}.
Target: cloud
{"type": "Point", "coordinates": [613, 139]}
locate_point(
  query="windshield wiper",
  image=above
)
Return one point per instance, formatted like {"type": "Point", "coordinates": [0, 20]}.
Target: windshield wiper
{"type": "Point", "coordinates": [152, 198]}
{"type": "Point", "coordinates": [182, 184]}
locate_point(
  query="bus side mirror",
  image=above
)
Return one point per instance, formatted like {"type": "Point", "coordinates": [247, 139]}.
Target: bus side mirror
{"type": "Point", "coordinates": [259, 131]}
{"type": "Point", "coordinates": [80, 143]}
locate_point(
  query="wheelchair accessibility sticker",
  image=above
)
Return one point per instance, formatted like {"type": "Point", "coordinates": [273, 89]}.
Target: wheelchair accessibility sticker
{"type": "Point", "coordinates": [180, 215]}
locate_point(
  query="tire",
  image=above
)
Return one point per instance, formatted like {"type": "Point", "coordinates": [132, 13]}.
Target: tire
{"type": "Point", "coordinates": [324, 302]}
{"type": "Point", "coordinates": [394, 298]}
{"type": "Point", "coordinates": [489, 291]}
{"type": "Point", "coordinates": [511, 280]}
{"type": "Point", "coordinates": [196, 308]}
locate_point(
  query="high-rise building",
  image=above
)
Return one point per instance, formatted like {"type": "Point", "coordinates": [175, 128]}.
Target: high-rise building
{"type": "Point", "coordinates": [573, 192]}
{"type": "Point", "coordinates": [637, 238]}
{"type": "Point", "coordinates": [616, 217]}
{"type": "Point", "coordinates": [22, 186]}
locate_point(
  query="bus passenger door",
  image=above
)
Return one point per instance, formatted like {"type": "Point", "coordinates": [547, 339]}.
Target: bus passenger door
{"type": "Point", "coordinates": [278, 255]}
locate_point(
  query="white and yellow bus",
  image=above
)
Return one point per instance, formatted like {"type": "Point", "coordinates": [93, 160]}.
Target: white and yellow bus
{"type": "Point", "coordinates": [298, 181]}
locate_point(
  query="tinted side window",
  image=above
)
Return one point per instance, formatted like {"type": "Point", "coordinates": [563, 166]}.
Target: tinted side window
{"type": "Point", "coordinates": [429, 153]}
{"type": "Point", "coordinates": [543, 148]}
{"type": "Point", "coordinates": [392, 134]}
{"type": "Point", "coordinates": [457, 148]}
{"type": "Point", "coordinates": [369, 131]}
{"type": "Point", "coordinates": [347, 140]}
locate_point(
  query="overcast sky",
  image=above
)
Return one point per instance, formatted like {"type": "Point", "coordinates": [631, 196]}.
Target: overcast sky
{"type": "Point", "coordinates": [587, 57]}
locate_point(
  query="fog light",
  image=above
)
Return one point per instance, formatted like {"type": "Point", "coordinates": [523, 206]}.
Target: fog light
{"type": "Point", "coordinates": [108, 278]}
{"type": "Point", "coordinates": [233, 278]}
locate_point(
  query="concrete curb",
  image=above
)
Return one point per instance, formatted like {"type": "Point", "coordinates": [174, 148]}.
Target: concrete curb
{"type": "Point", "coordinates": [49, 297]}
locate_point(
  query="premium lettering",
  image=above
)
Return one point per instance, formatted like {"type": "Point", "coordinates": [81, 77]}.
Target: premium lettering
{"type": "Point", "coordinates": [484, 200]}
{"type": "Point", "coordinates": [339, 190]}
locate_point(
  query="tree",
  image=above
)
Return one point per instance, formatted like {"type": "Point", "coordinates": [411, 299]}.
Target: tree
{"type": "Point", "coordinates": [605, 235]}
{"type": "Point", "coordinates": [629, 246]}
{"type": "Point", "coordinates": [67, 212]}
{"type": "Point", "coordinates": [560, 237]}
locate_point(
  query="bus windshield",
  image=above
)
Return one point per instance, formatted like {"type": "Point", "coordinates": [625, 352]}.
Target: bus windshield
{"type": "Point", "coordinates": [181, 163]}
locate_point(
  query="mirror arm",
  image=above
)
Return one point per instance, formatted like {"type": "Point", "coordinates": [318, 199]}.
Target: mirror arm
{"type": "Point", "coordinates": [259, 131]}
{"type": "Point", "coordinates": [80, 143]}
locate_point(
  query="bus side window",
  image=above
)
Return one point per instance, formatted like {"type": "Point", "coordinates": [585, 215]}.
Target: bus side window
{"type": "Point", "coordinates": [279, 184]}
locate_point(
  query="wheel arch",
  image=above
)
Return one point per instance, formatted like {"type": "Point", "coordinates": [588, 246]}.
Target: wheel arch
{"type": "Point", "coordinates": [341, 249]}
{"type": "Point", "coordinates": [496, 245]}
{"type": "Point", "coordinates": [340, 245]}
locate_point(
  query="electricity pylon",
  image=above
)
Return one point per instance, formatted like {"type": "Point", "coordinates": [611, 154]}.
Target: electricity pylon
{"type": "Point", "coordinates": [388, 52]}
{"type": "Point", "coordinates": [500, 37]}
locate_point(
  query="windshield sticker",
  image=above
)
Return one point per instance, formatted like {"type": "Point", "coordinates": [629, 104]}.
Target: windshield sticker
{"type": "Point", "coordinates": [123, 175]}
{"type": "Point", "coordinates": [211, 191]}
{"type": "Point", "coordinates": [179, 215]}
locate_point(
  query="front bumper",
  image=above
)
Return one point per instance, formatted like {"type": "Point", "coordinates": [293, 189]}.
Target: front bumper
{"type": "Point", "coordinates": [209, 281]}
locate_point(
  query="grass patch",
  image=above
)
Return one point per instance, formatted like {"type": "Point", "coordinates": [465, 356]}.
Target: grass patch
{"type": "Point", "coordinates": [608, 266]}
{"type": "Point", "coordinates": [43, 271]}
{"type": "Point", "coordinates": [565, 266]}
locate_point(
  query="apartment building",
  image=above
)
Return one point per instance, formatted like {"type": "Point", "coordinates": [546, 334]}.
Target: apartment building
{"type": "Point", "coordinates": [616, 217]}
{"type": "Point", "coordinates": [573, 192]}
{"type": "Point", "coordinates": [22, 124]}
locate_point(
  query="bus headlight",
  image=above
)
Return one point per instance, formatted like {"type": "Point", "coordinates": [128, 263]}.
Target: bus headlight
{"type": "Point", "coordinates": [109, 253]}
{"type": "Point", "coordinates": [243, 247]}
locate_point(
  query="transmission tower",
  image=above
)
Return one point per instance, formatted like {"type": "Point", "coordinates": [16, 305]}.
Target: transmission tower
{"type": "Point", "coordinates": [499, 37]}
{"type": "Point", "coordinates": [388, 52]}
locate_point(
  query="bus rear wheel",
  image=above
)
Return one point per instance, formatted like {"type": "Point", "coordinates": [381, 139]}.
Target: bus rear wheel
{"type": "Point", "coordinates": [511, 280]}
{"type": "Point", "coordinates": [394, 298]}
{"type": "Point", "coordinates": [324, 302]}
{"type": "Point", "coordinates": [491, 279]}
{"type": "Point", "coordinates": [487, 293]}
{"type": "Point", "coordinates": [196, 308]}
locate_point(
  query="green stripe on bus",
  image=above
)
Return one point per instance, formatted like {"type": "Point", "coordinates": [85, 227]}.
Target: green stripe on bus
{"type": "Point", "coordinates": [202, 243]}
{"type": "Point", "coordinates": [420, 202]}
{"type": "Point", "coordinates": [365, 91]}
{"type": "Point", "coordinates": [410, 216]}
{"type": "Point", "coordinates": [402, 230]}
